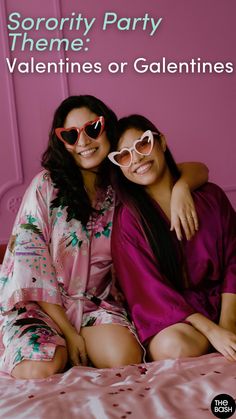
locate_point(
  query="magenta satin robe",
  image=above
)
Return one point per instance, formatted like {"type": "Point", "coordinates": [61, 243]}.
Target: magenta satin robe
{"type": "Point", "coordinates": [210, 259]}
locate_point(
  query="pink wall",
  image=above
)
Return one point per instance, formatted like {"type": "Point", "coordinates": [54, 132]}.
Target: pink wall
{"type": "Point", "coordinates": [195, 111]}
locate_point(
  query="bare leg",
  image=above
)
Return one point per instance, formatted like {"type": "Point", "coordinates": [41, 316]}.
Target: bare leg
{"type": "Point", "coordinates": [178, 341]}
{"type": "Point", "coordinates": [41, 369]}
{"type": "Point", "coordinates": [111, 345]}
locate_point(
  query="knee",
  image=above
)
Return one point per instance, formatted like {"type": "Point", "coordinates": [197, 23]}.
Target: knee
{"type": "Point", "coordinates": [111, 346]}
{"type": "Point", "coordinates": [32, 370]}
{"type": "Point", "coordinates": [172, 345]}
{"type": "Point", "coordinates": [175, 344]}
{"type": "Point", "coordinates": [119, 358]}
{"type": "Point", "coordinates": [41, 369]}
{"type": "Point", "coordinates": [120, 355]}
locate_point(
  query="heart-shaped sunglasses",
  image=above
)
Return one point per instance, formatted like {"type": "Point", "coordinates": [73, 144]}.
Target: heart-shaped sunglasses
{"type": "Point", "coordinates": [70, 136]}
{"type": "Point", "coordinates": [142, 146]}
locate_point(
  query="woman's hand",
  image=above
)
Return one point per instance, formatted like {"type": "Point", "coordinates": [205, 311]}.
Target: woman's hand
{"type": "Point", "coordinates": [75, 342]}
{"type": "Point", "coordinates": [76, 349]}
{"type": "Point", "coordinates": [182, 210]}
{"type": "Point", "coordinates": [224, 342]}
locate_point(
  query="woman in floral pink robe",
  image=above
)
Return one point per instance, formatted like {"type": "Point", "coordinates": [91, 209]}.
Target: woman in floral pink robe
{"type": "Point", "coordinates": [59, 262]}
{"type": "Point", "coordinates": [56, 279]}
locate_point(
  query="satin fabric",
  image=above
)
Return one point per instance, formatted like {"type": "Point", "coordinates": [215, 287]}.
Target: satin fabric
{"type": "Point", "coordinates": [57, 261]}
{"type": "Point", "coordinates": [171, 389]}
{"type": "Point", "coordinates": [209, 259]}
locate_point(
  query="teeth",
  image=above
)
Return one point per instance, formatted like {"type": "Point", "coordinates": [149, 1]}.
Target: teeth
{"type": "Point", "coordinates": [88, 152]}
{"type": "Point", "coordinates": [144, 168]}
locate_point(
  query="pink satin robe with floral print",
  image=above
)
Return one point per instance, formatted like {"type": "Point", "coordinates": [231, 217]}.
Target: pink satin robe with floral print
{"type": "Point", "coordinates": [59, 262]}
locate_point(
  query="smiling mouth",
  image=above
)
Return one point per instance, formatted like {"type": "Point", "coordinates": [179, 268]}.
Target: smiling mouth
{"type": "Point", "coordinates": [143, 168]}
{"type": "Point", "coordinates": [88, 153]}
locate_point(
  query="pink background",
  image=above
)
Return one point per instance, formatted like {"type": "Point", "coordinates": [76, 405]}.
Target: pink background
{"type": "Point", "coordinates": [195, 111]}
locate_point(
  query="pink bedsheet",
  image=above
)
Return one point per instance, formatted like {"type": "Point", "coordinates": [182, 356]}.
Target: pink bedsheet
{"type": "Point", "coordinates": [167, 389]}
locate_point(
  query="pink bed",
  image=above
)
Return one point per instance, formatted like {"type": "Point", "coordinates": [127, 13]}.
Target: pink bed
{"type": "Point", "coordinates": [167, 389]}
{"type": "Point", "coordinates": [181, 389]}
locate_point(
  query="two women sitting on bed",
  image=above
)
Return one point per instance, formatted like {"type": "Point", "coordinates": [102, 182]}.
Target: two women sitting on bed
{"type": "Point", "coordinates": [181, 294]}
{"type": "Point", "coordinates": [58, 298]}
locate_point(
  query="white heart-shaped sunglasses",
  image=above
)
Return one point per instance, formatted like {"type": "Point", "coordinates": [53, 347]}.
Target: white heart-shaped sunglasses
{"type": "Point", "coordinates": [142, 146]}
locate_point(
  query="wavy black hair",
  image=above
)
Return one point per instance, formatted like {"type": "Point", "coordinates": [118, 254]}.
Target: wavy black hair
{"type": "Point", "coordinates": [65, 173]}
{"type": "Point", "coordinates": [135, 197]}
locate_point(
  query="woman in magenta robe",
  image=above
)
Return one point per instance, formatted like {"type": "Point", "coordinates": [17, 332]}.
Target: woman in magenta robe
{"type": "Point", "coordinates": [181, 293]}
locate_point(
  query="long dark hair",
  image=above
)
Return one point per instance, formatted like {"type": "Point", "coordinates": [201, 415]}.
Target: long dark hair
{"type": "Point", "coordinates": [135, 197]}
{"type": "Point", "coordinates": [64, 171]}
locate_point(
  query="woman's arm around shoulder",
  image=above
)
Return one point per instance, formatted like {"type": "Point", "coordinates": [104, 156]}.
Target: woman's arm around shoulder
{"type": "Point", "coordinates": [183, 213]}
